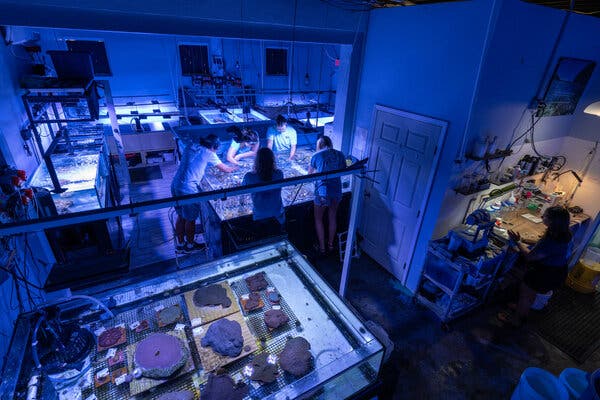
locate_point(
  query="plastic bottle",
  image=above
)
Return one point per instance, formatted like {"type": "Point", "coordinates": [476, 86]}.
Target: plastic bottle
{"type": "Point", "coordinates": [512, 199]}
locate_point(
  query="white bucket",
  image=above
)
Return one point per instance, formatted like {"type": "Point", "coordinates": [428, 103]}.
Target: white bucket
{"type": "Point", "coordinates": [541, 300]}
{"type": "Point", "coordinates": [538, 384]}
{"type": "Point", "coordinates": [575, 380]}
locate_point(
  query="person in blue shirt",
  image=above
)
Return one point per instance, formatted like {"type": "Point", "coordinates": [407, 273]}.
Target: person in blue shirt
{"type": "Point", "coordinates": [281, 137]}
{"type": "Point", "coordinates": [328, 192]}
{"type": "Point", "coordinates": [243, 144]}
{"type": "Point", "coordinates": [546, 263]}
{"type": "Point", "coordinates": [194, 160]}
{"type": "Point", "coordinates": [267, 203]}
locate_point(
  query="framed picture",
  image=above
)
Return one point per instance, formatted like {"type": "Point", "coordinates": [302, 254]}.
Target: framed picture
{"type": "Point", "coordinates": [570, 77]}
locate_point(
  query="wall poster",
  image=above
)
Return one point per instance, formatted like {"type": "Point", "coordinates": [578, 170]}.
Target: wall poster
{"type": "Point", "coordinates": [566, 86]}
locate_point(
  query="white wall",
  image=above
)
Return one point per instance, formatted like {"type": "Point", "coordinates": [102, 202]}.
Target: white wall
{"type": "Point", "coordinates": [515, 67]}
{"type": "Point", "coordinates": [148, 64]}
{"type": "Point", "coordinates": [424, 60]}
{"type": "Point", "coordinates": [587, 195]}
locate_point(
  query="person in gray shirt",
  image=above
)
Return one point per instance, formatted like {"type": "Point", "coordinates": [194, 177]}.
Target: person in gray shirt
{"type": "Point", "coordinates": [194, 160]}
{"type": "Point", "coordinates": [328, 192]}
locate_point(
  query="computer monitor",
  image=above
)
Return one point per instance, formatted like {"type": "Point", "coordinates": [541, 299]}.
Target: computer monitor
{"type": "Point", "coordinates": [72, 65]}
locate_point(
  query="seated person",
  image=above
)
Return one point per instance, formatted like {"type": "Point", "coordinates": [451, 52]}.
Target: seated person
{"type": "Point", "coordinates": [243, 144]}
{"type": "Point", "coordinates": [281, 137]}
{"type": "Point", "coordinates": [267, 203]}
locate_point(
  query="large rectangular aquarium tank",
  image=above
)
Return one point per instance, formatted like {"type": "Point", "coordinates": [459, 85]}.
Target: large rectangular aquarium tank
{"type": "Point", "coordinates": [239, 206]}
{"type": "Point", "coordinates": [229, 116]}
{"type": "Point", "coordinates": [84, 175]}
{"type": "Point", "coordinates": [259, 324]}
{"type": "Point", "coordinates": [82, 168]}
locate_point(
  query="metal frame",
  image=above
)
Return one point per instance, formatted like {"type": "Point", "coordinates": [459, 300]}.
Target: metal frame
{"type": "Point", "coordinates": [45, 96]}
{"type": "Point", "coordinates": [358, 170]}
{"type": "Point", "coordinates": [458, 271]}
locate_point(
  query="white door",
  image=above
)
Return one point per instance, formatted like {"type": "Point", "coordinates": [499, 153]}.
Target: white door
{"type": "Point", "coordinates": [403, 156]}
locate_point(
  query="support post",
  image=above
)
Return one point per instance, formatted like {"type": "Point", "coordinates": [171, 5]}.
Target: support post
{"type": "Point", "coordinates": [122, 172]}
{"type": "Point", "coordinates": [354, 207]}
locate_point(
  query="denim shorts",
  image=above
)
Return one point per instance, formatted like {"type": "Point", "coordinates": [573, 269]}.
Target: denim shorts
{"type": "Point", "coordinates": [189, 212]}
{"type": "Point", "coordinates": [326, 201]}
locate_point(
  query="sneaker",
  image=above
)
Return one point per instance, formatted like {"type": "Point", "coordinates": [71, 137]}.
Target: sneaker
{"type": "Point", "coordinates": [194, 246]}
{"type": "Point", "coordinates": [179, 247]}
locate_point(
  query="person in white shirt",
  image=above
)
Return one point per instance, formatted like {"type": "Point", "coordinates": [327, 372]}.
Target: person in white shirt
{"type": "Point", "coordinates": [282, 137]}
{"type": "Point", "coordinates": [194, 160]}
{"type": "Point", "coordinates": [243, 144]}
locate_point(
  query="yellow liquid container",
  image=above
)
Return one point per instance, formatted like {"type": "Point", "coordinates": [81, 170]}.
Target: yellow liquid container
{"type": "Point", "coordinates": [584, 277]}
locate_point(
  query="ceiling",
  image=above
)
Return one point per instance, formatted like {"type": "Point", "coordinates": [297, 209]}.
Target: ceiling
{"type": "Point", "coordinates": [587, 7]}
{"type": "Point", "coordinates": [365, 5]}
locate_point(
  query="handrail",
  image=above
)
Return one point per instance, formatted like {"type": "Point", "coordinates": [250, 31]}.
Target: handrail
{"type": "Point", "coordinates": [143, 206]}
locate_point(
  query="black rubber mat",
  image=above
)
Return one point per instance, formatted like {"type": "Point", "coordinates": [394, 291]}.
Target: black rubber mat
{"type": "Point", "coordinates": [144, 174]}
{"type": "Point", "coordinates": [571, 322]}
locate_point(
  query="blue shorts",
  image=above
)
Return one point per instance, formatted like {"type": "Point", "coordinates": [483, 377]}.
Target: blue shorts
{"type": "Point", "coordinates": [326, 201]}
{"type": "Point", "coordinates": [189, 212]}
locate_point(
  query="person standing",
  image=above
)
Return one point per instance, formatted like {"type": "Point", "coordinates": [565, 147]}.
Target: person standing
{"type": "Point", "coordinates": [243, 144]}
{"type": "Point", "coordinates": [194, 160]}
{"type": "Point", "coordinates": [328, 192]}
{"type": "Point", "coordinates": [546, 263]}
{"type": "Point", "coordinates": [267, 203]}
{"type": "Point", "coordinates": [281, 137]}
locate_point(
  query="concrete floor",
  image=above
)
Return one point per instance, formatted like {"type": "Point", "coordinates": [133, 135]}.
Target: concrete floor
{"type": "Point", "coordinates": [475, 359]}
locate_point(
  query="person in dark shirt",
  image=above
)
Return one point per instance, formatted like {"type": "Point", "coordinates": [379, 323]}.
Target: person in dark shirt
{"type": "Point", "coordinates": [547, 262]}
{"type": "Point", "coordinates": [243, 144]}
{"type": "Point", "coordinates": [265, 204]}
{"type": "Point", "coordinates": [328, 192]}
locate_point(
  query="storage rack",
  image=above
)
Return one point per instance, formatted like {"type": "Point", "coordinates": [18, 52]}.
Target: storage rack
{"type": "Point", "coordinates": [460, 282]}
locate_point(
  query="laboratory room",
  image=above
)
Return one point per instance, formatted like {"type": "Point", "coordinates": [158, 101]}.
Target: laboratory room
{"type": "Point", "coordinates": [316, 199]}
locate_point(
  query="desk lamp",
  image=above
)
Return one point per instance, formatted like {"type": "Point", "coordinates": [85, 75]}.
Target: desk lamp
{"type": "Point", "coordinates": [593, 109]}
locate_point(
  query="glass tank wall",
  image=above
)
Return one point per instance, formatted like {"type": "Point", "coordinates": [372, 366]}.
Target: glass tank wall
{"type": "Point", "coordinates": [79, 175]}
{"type": "Point", "coordinates": [339, 356]}
{"type": "Point", "coordinates": [242, 205]}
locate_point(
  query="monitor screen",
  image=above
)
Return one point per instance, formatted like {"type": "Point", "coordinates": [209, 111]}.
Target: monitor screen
{"type": "Point", "coordinates": [72, 65]}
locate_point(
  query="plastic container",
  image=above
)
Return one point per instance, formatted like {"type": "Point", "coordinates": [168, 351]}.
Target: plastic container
{"type": "Point", "coordinates": [583, 277]}
{"type": "Point", "coordinates": [541, 300]}
{"type": "Point", "coordinates": [575, 380]}
{"type": "Point", "coordinates": [539, 384]}
{"type": "Point", "coordinates": [593, 390]}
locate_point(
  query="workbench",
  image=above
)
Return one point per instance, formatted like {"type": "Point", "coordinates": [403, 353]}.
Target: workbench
{"type": "Point", "coordinates": [531, 232]}
{"type": "Point", "coordinates": [453, 282]}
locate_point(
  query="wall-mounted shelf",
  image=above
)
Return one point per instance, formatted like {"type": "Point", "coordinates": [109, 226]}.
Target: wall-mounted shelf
{"type": "Point", "coordinates": [487, 157]}
{"type": "Point", "coordinates": [468, 191]}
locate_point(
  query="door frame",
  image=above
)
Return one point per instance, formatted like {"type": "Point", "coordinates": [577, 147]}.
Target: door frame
{"type": "Point", "coordinates": [434, 166]}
